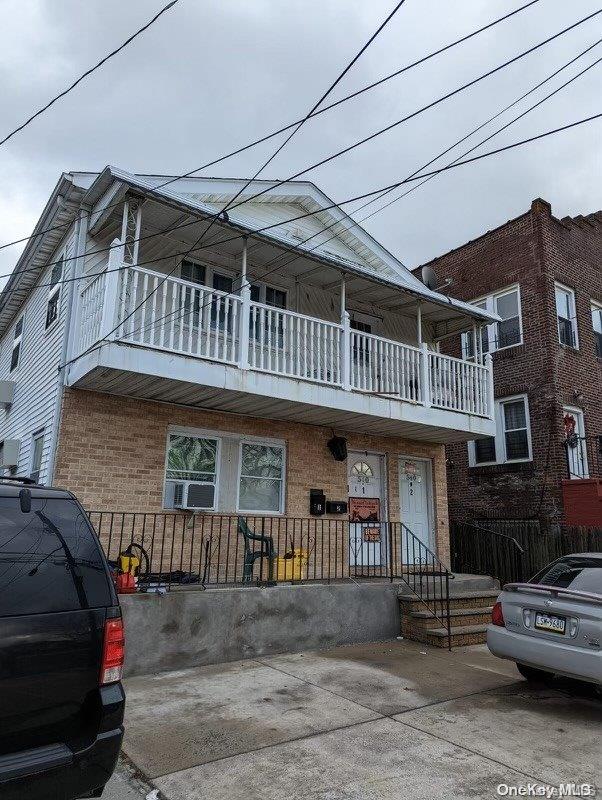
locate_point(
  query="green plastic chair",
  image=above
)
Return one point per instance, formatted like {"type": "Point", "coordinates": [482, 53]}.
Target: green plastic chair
{"type": "Point", "coordinates": [266, 550]}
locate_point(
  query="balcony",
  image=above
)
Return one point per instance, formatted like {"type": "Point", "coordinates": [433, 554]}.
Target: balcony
{"type": "Point", "coordinates": [178, 341]}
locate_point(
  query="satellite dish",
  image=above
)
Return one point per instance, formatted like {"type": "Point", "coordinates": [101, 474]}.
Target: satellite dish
{"type": "Point", "coordinates": [428, 277]}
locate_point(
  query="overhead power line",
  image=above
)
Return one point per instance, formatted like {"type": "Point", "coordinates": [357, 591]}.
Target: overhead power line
{"type": "Point", "coordinates": [363, 196]}
{"type": "Point", "coordinates": [355, 223]}
{"type": "Point", "coordinates": [232, 202]}
{"type": "Point", "coordinates": [293, 124]}
{"type": "Point", "coordinates": [333, 156]}
{"type": "Point", "coordinates": [88, 72]}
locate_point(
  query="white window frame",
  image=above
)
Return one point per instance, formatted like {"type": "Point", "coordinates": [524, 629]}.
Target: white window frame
{"type": "Point", "coordinates": [265, 443]}
{"type": "Point", "coordinates": [221, 436]}
{"type": "Point", "coordinates": [17, 342]}
{"type": "Point", "coordinates": [55, 291]}
{"type": "Point", "coordinates": [500, 435]}
{"type": "Point", "coordinates": [596, 309]}
{"type": "Point", "coordinates": [36, 437]}
{"type": "Point", "coordinates": [489, 303]}
{"type": "Point", "coordinates": [572, 310]}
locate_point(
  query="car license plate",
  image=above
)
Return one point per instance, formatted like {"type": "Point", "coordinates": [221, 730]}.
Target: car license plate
{"type": "Point", "coordinates": [550, 622]}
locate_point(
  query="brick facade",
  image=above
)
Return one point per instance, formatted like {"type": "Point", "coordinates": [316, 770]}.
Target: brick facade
{"type": "Point", "coordinates": [534, 250]}
{"type": "Point", "coordinates": [112, 455]}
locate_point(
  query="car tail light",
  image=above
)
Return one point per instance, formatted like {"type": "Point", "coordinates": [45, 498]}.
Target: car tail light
{"type": "Point", "coordinates": [113, 652]}
{"type": "Point", "coordinates": [497, 615]}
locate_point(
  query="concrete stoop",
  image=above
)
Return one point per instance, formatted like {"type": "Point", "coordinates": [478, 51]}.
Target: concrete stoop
{"type": "Point", "coordinates": [471, 600]}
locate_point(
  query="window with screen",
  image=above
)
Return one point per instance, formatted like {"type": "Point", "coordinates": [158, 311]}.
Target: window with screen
{"type": "Point", "coordinates": [512, 441]}
{"type": "Point", "coordinates": [499, 335]}
{"type": "Point", "coordinates": [261, 477]}
{"type": "Point", "coordinates": [15, 355]}
{"type": "Point", "coordinates": [37, 449]}
{"type": "Point", "coordinates": [597, 326]}
{"type": "Point", "coordinates": [566, 316]}
{"type": "Point", "coordinates": [54, 294]}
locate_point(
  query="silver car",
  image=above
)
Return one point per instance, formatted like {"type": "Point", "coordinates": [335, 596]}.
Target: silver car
{"type": "Point", "coordinates": [553, 624]}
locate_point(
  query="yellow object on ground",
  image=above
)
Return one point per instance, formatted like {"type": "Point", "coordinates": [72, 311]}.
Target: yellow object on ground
{"type": "Point", "coordinates": [129, 564]}
{"type": "Point", "coordinates": [293, 568]}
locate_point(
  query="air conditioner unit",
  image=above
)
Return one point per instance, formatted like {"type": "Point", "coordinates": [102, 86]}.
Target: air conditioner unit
{"type": "Point", "coordinates": [7, 393]}
{"type": "Point", "coordinates": [9, 453]}
{"type": "Point", "coordinates": [194, 495]}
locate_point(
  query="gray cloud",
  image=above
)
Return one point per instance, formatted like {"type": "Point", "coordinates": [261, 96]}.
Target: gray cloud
{"type": "Point", "coordinates": [211, 76]}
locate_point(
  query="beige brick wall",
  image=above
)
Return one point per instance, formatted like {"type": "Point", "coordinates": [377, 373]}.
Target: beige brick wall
{"type": "Point", "coordinates": [112, 455]}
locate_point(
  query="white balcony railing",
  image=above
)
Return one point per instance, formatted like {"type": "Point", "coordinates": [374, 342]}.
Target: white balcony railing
{"type": "Point", "coordinates": [147, 308]}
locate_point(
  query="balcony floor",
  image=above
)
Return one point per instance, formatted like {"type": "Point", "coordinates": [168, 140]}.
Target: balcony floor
{"type": "Point", "coordinates": [123, 369]}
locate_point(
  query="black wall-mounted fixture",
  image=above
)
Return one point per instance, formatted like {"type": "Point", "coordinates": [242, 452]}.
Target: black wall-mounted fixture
{"type": "Point", "coordinates": [338, 447]}
{"type": "Point", "coordinates": [336, 506]}
{"type": "Point", "coordinates": [317, 502]}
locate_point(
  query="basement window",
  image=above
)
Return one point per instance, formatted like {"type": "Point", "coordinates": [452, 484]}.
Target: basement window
{"type": "Point", "coordinates": [54, 294]}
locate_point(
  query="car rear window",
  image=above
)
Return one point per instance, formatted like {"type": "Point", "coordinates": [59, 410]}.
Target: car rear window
{"type": "Point", "coordinates": [581, 574]}
{"type": "Point", "coordinates": [49, 559]}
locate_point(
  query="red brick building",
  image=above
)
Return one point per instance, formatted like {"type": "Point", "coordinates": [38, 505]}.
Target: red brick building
{"type": "Point", "coordinates": [543, 276]}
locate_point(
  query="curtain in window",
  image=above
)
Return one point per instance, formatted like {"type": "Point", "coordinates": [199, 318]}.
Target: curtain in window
{"type": "Point", "coordinates": [261, 468]}
{"type": "Point", "coordinates": [191, 459]}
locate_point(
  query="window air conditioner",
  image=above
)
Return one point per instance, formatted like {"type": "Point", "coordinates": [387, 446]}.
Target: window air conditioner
{"type": "Point", "coordinates": [194, 495]}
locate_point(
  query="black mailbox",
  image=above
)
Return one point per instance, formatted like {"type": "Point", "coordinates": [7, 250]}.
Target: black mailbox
{"type": "Point", "coordinates": [317, 502]}
{"type": "Point", "coordinates": [336, 507]}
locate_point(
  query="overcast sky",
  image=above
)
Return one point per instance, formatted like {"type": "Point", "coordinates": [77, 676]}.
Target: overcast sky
{"type": "Point", "coordinates": [211, 75]}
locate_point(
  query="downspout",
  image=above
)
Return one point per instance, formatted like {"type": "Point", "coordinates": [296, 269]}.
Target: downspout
{"type": "Point", "coordinates": [81, 232]}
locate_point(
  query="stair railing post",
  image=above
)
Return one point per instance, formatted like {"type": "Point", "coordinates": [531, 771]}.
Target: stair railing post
{"type": "Point", "coordinates": [447, 610]}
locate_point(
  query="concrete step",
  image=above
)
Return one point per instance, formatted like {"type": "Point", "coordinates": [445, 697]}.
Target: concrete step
{"type": "Point", "coordinates": [482, 597]}
{"type": "Point", "coordinates": [461, 636]}
{"type": "Point", "coordinates": [458, 617]}
{"type": "Point", "coordinates": [458, 584]}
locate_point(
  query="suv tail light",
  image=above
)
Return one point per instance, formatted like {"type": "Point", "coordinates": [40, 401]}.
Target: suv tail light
{"type": "Point", "coordinates": [113, 652]}
{"type": "Point", "coordinates": [497, 615]}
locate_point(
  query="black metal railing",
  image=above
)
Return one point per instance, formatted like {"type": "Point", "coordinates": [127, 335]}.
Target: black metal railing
{"type": "Point", "coordinates": [213, 550]}
{"type": "Point", "coordinates": [423, 572]}
{"type": "Point", "coordinates": [583, 456]}
{"type": "Point", "coordinates": [482, 551]}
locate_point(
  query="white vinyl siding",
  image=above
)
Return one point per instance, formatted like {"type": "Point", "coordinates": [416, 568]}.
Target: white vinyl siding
{"type": "Point", "coordinates": [500, 335]}
{"type": "Point", "coordinates": [248, 472]}
{"type": "Point", "coordinates": [566, 316]}
{"type": "Point", "coordinates": [512, 441]}
{"type": "Point", "coordinates": [36, 378]}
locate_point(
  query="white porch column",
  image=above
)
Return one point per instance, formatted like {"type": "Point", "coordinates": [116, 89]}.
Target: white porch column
{"type": "Point", "coordinates": [475, 342]}
{"type": "Point", "coordinates": [345, 341]}
{"type": "Point", "coordinates": [245, 311]}
{"type": "Point", "coordinates": [425, 375]}
{"type": "Point", "coordinates": [419, 323]}
{"type": "Point", "coordinates": [113, 275]}
{"type": "Point", "coordinates": [490, 387]}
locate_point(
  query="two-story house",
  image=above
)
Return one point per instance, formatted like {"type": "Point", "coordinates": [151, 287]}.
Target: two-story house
{"type": "Point", "coordinates": [543, 277]}
{"type": "Point", "coordinates": [158, 354]}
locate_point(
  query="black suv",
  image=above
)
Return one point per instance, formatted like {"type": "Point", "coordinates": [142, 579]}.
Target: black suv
{"type": "Point", "coordinates": [61, 649]}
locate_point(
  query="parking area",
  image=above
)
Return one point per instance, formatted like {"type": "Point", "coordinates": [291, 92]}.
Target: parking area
{"type": "Point", "coordinates": [370, 721]}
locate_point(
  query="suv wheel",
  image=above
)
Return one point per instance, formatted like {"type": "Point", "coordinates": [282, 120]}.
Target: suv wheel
{"type": "Point", "coordinates": [532, 674]}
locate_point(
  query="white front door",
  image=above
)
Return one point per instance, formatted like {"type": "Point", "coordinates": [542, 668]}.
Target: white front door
{"type": "Point", "coordinates": [415, 499]}
{"type": "Point", "coordinates": [574, 428]}
{"type": "Point", "coordinates": [367, 545]}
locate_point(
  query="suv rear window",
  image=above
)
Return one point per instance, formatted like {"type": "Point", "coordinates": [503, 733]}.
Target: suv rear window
{"type": "Point", "coordinates": [581, 574]}
{"type": "Point", "coordinates": [49, 559]}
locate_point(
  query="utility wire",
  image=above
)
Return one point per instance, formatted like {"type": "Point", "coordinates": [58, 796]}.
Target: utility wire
{"type": "Point", "coordinates": [88, 72]}
{"type": "Point", "coordinates": [446, 168]}
{"type": "Point", "coordinates": [292, 125]}
{"type": "Point", "coordinates": [232, 202]}
{"type": "Point", "coordinates": [448, 149]}
{"type": "Point", "coordinates": [276, 184]}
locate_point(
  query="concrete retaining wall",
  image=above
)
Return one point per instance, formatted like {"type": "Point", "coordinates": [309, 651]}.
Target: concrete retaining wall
{"type": "Point", "coordinates": [191, 628]}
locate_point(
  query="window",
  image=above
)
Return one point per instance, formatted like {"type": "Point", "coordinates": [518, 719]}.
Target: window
{"type": "Point", "coordinates": [37, 448]}
{"type": "Point", "coordinates": [193, 459]}
{"type": "Point", "coordinates": [17, 340]}
{"type": "Point", "coordinates": [506, 333]}
{"type": "Point", "coordinates": [361, 469]}
{"type": "Point", "coordinates": [597, 326]}
{"type": "Point", "coordinates": [190, 271]}
{"type": "Point", "coordinates": [54, 294]}
{"type": "Point", "coordinates": [512, 441]}
{"type": "Point", "coordinates": [261, 477]}
{"type": "Point", "coordinates": [567, 316]}
{"type": "Point", "coordinates": [228, 471]}
{"type": "Point", "coordinates": [191, 298]}
{"type": "Point", "coordinates": [361, 354]}
{"type": "Point", "coordinates": [222, 283]}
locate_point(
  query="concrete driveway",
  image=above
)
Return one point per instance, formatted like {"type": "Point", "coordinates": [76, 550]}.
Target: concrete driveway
{"type": "Point", "coordinates": [384, 720]}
